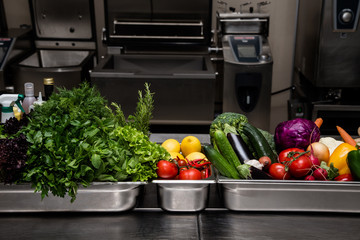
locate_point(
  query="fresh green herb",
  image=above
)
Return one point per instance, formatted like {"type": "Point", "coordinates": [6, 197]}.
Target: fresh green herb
{"type": "Point", "coordinates": [144, 108]}
{"type": "Point", "coordinates": [76, 139]}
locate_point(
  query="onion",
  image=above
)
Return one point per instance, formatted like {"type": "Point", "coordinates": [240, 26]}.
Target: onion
{"type": "Point", "coordinates": [320, 151]}
{"type": "Point", "coordinates": [266, 162]}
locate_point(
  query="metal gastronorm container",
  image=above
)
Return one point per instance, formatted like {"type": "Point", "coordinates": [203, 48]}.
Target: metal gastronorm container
{"type": "Point", "coordinates": [98, 197]}
{"type": "Point", "coordinates": [290, 195]}
{"type": "Point", "coordinates": [184, 195]}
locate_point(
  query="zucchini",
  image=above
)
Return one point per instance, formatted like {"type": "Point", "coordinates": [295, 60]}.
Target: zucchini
{"type": "Point", "coordinates": [226, 149]}
{"type": "Point", "coordinates": [220, 163]}
{"type": "Point", "coordinates": [258, 142]}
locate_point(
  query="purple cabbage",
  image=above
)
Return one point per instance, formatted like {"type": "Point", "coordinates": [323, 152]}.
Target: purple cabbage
{"type": "Point", "coordinates": [298, 133]}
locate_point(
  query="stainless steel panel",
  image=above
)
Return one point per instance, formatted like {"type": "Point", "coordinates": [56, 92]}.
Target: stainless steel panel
{"type": "Point", "coordinates": [98, 197]}
{"type": "Point", "coordinates": [68, 68]}
{"type": "Point", "coordinates": [158, 23]}
{"type": "Point", "coordinates": [54, 58]}
{"type": "Point", "coordinates": [183, 85]}
{"type": "Point", "coordinates": [283, 195]}
{"type": "Point", "coordinates": [240, 77]}
{"type": "Point", "coordinates": [243, 23]}
{"type": "Point", "coordinates": [66, 19]}
{"type": "Point", "coordinates": [184, 195]}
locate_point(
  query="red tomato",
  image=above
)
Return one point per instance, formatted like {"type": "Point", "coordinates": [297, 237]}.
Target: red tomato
{"type": "Point", "coordinates": [285, 154]}
{"type": "Point", "coordinates": [182, 162]}
{"type": "Point", "coordinates": [299, 163]}
{"type": "Point", "coordinates": [205, 173]}
{"type": "Point", "coordinates": [166, 169]}
{"type": "Point", "coordinates": [278, 171]}
{"type": "Point", "coordinates": [344, 177]}
{"type": "Point", "coordinates": [183, 168]}
{"type": "Point", "coordinates": [190, 174]}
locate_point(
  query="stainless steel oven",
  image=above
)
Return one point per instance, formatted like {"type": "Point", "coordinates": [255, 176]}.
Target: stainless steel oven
{"type": "Point", "coordinates": [327, 57]}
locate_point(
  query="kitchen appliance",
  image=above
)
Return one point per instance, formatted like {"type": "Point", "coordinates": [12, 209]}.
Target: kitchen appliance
{"type": "Point", "coordinates": [327, 56]}
{"type": "Point", "coordinates": [14, 43]}
{"type": "Point", "coordinates": [164, 43]}
{"type": "Point", "coordinates": [247, 65]}
{"type": "Point", "coordinates": [65, 44]}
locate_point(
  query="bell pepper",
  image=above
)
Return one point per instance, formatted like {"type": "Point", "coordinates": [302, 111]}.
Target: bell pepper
{"type": "Point", "coordinates": [344, 178]}
{"type": "Point", "coordinates": [353, 161]}
{"type": "Point", "coordinates": [338, 158]}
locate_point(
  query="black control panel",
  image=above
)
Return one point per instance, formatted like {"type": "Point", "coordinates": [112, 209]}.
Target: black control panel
{"type": "Point", "coordinates": [346, 14]}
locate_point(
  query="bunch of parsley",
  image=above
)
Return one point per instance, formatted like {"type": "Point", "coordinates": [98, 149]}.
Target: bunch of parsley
{"type": "Point", "coordinates": [76, 139]}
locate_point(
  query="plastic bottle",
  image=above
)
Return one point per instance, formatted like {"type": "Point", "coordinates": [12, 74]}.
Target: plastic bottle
{"type": "Point", "coordinates": [39, 101]}
{"type": "Point", "coordinates": [29, 97]}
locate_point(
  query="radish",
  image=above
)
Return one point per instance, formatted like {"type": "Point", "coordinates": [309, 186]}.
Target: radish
{"type": "Point", "coordinates": [309, 178]}
{"type": "Point", "coordinates": [314, 160]}
{"type": "Point", "coordinates": [320, 174]}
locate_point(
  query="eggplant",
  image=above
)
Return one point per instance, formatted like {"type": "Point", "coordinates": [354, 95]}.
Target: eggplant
{"type": "Point", "coordinates": [250, 172]}
{"type": "Point", "coordinates": [241, 149]}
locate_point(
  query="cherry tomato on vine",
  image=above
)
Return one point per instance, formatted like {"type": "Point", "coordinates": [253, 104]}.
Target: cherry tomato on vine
{"type": "Point", "coordinates": [284, 154]}
{"type": "Point", "coordinates": [182, 162]}
{"type": "Point", "coordinates": [166, 169]}
{"type": "Point", "coordinates": [278, 171]}
{"type": "Point", "coordinates": [190, 174]}
{"type": "Point", "coordinates": [297, 160]}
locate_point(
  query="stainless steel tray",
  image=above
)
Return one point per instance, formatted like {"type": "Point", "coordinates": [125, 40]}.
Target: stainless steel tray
{"type": "Point", "coordinates": [184, 195]}
{"type": "Point", "coordinates": [98, 197]}
{"type": "Point", "coordinates": [278, 195]}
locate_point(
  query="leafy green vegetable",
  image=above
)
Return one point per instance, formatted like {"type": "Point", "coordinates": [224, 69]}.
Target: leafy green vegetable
{"type": "Point", "coordinates": [228, 122]}
{"type": "Point", "coordinates": [76, 139]}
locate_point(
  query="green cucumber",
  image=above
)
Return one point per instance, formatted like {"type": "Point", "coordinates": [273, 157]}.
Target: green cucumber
{"type": "Point", "coordinates": [220, 163]}
{"type": "Point", "coordinates": [226, 149]}
{"type": "Point", "coordinates": [258, 142]}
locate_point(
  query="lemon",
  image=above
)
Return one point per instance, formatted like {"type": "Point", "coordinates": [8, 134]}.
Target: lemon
{"type": "Point", "coordinates": [176, 155]}
{"type": "Point", "coordinates": [195, 156]}
{"type": "Point", "coordinates": [190, 144]}
{"type": "Point", "coordinates": [171, 145]}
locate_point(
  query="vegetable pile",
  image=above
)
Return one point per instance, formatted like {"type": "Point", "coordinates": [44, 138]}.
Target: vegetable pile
{"type": "Point", "coordinates": [296, 151]}
{"type": "Point", "coordinates": [74, 138]}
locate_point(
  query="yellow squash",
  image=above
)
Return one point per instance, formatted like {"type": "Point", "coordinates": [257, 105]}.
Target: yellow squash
{"type": "Point", "coordinates": [338, 158]}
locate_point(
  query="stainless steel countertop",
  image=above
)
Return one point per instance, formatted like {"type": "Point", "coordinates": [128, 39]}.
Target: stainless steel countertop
{"type": "Point", "coordinates": [157, 224]}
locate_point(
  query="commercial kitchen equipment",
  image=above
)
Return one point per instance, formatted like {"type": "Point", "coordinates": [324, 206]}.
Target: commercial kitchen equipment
{"type": "Point", "coordinates": [327, 55]}
{"type": "Point", "coordinates": [166, 44]}
{"type": "Point", "coordinates": [247, 65]}
{"type": "Point", "coordinates": [14, 43]}
{"type": "Point", "coordinates": [64, 38]}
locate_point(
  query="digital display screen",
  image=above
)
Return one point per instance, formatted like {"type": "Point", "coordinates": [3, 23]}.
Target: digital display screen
{"type": "Point", "coordinates": [246, 51]}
